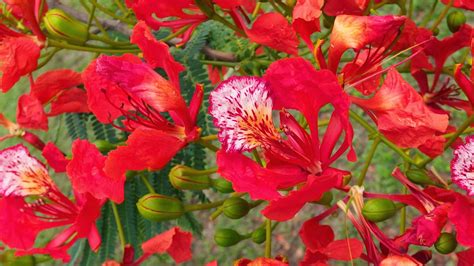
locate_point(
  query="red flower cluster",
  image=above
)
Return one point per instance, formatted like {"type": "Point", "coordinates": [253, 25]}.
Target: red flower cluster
{"type": "Point", "coordinates": [285, 109]}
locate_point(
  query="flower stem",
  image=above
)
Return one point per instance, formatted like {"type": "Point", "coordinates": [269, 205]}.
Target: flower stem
{"type": "Point", "coordinates": [403, 215]}
{"type": "Point", "coordinates": [147, 183]}
{"type": "Point", "coordinates": [442, 15]}
{"type": "Point", "coordinates": [219, 63]}
{"type": "Point", "coordinates": [93, 49]}
{"type": "Point", "coordinates": [119, 225]}
{"type": "Point", "coordinates": [268, 241]}
{"type": "Point", "coordinates": [204, 206]}
{"type": "Point", "coordinates": [430, 14]}
{"type": "Point", "coordinates": [370, 156]}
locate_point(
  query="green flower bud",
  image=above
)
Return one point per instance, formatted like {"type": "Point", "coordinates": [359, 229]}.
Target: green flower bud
{"type": "Point", "coordinates": [435, 32]}
{"type": "Point", "coordinates": [326, 199]}
{"type": "Point", "coordinates": [259, 235]}
{"type": "Point", "coordinates": [419, 177]}
{"type": "Point", "coordinates": [225, 237]}
{"type": "Point", "coordinates": [8, 258]}
{"type": "Point", "coordinates": [291, 3]}
{"type": "Point", "coordinates": [235, 208]}
{"type": "Point", "coordinates": [63, 26]}
{"type": "Point", "coordinates": [104, 146]}
{"type": "Point", "coordinates": [222, 185]}
{"type": "Point", "coordinates": [157, 207]}
{"type": "Point", "coordinates": [455, 20]}
{"type": "Point", "coordinates": [446, 243]}
{"type": "Point", "coordinates": [187, 178]}
{"type": "Point", "coordinates": [377, 210]}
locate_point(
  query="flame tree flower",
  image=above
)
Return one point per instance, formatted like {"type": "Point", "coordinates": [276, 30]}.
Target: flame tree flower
{"type": "Point", "coordinates": [242, 110]}
{"type": "Point", "coordinates": [31, 202]}
{"type": "Point", "coordinates": [126, 87]}
{"type": "Point", "coordinates": [462, 166]}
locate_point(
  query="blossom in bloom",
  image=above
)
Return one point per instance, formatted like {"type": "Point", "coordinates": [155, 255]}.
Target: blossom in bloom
{"type": "Point", "coordinates": [345, 7]}
{"type": "Point", "coordinates": [31, 202]}
{"type": "Point", "coordinates": [124, 86]}
{"type": "Point", "coordinates": [279, 261]}
{"type": "Point", "coordinates": [465, 4]}
{"type": "Point", "coordinates": [462, 166]}
{"type": "Point", "coordinates": [187, 15]}
{"type": "Point", "coordinates": [321, 246]}
{"type": "Point", "coordinates": [19, 52]}
{"type": "Point", "coordinates": [273, 30]}
{"type": "Point", "coordinates": [402, 116]}
{"type": "Point", "coordinates": [306, 15]}
{"type": "Point", "coordinates": [242, 110]}
{"type": "Point", "coordinates": [466, 257]}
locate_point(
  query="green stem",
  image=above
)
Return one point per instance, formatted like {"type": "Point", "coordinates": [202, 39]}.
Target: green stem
{"type": "Point", "coordinates": [403, 215]}
{"type": "Point", "coordinates": [147, 183]}
{"type": "Point", "coordinates": [47, 59]}
{"type": "Point", "coordinates": [208, 145]}
{"type": "Point", "coordinates": [92, 49]}
{"type": "Point", "coordinates": [370, 156]}
{"type": "Point", "coordinates": [387, 142]}
{"type": "Point", "coordinates": [121, 6]}
{"type": "Point", "coordinates": [268, 241]}
{"type": "Point", "coordinates": [89, 22]}
{"type": "Point", "coordinates": [121, 233]}
{"type": "Point", "coordinates": [430, 14]}
{"type": "Point", "coordinates": [219, 63]}
{"type": "Point", "coordinates": [442, 15]}
{"type": "Point", "coordinates": [175, 34]}
{"type": "Point", "coordinates": [410, 8]}
{"type": "Point", "coordinates": [111, 14]}
{"type": "Point", "coordinates": [204, 206]}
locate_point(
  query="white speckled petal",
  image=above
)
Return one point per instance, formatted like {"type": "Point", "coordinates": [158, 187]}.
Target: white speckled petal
{"type": "Point", "coordinates": [242, 110]}
{"type": "Point", "coordinates": [462, 166]}
{"type": "Point", "coordinates": [21, 174]}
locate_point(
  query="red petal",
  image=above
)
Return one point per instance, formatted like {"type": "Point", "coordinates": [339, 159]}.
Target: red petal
{"type": "Point", "coordinates": [466, 257]}
{"type": "Point", "coordinates": [466, 4]}
{"type": "Point", "coordinates": [145, 149]}
{"type": "Point", "coordinates": [396, 260]}
{"type": "Point", "coordinates": [55, 157]}
{"type": "Point", "coordinates": [19, 224]}
{"type": "Point", "coordinates": [19, 56]}
{"type": "Point", "coordinates": [311, 91]}
{"type": "Point", "coordinates": [316, 236]}
{"type": "Point", "coordinates": [87, 174]}
{"type": "Point", "coordinates": [142, 83]}
{"type": "Point", "coordinates": [345, 7]}
{"type": "Point", "coordinates": [344, 249]}
{"type": "Point", "coordinates": [357, 31]}
{"type": "Point", "coordinates": [26, 10]}
{"type": "Point", "coordinates": [285, 208]}
{"type": "Point", "coordinates": [306, 15]}
{"type": "Point", "coordinates": [156, 53]}
{"type": "Point", "coordinates": [71, 101]}
{"type": "Point", "coordinates": [30, 113]}
{"type": "Point", "coordinates": [462, 216]}
{"type": "Point", "coordinates": [247, 176]}
{"type": "Point", "coordinates": [175, 242]}
{"type": "Point", "coordinates": [53, 82]}
{"type": "Point", "coordinates": [105, 98]}
{"type": "Point", "coordinates": [273, 30]}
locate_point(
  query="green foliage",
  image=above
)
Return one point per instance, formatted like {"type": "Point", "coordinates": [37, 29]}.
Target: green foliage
{"type": "Point", "coordinates": [76, 125]}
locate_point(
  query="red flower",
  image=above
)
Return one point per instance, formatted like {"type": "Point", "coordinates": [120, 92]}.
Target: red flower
{"type": "Point", "coordinates": [401, 114]}
{"type": "Point", "coordinates": [260, 262]}
{"type": "Point", "coordinates": [242, 110]}
{"type": "Point", "coordinates": [466, 257]}
{"type": "Point", "coordinates": [126, 86]}
{"type": "Point", "coordinates": [345, 7]}
{"type": "Point", "coordinates": [466, 4]}
{"type": "Point", "coordinates": [87, 174]}
{"type": "Point", "coordinates": [321, 246]}
{"type": "Point", "coordinates": [175, 242]}
{"type": "Point", "coordinates": [462, 166]}
{"type": "Point", "coordinates": [55, 157]}
{"type": "Point", "coordinates": [19, 55]}
{"type": "Point", "coordinates": [274, 31]}
{"type": "Point", "coordinates": [306, 15]}
{"type": "Point", "coordinates": [31, 201]}
{"type": "Point", "coordinates": [156, 13]}
{"type": "Point", "coordinates": [57, 88]}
